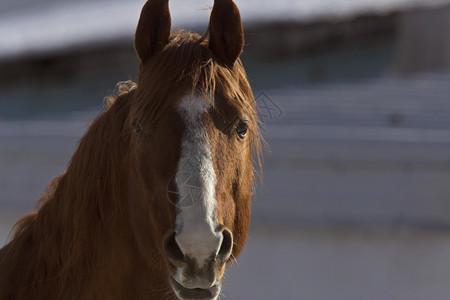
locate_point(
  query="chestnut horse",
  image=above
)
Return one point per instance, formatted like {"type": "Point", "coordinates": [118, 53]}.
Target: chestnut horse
{"type": "Point", "coordinates": [156, 199]}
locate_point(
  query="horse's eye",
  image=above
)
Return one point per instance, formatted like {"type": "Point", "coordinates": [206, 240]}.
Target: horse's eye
{"type": "Point", "coordinates": [138, 129]}
{"type": "Point", "coordinates": [242, 128]}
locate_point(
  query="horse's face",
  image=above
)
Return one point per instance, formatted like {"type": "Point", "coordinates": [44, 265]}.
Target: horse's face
{"type": "Point", "coordinates": [196, 168]}
{"type": "Point", "coordinates": [192, 173]}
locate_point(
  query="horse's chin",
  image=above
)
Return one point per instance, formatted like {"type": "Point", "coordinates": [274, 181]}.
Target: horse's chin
{"type": "Point", "coordinates": [183, 293]}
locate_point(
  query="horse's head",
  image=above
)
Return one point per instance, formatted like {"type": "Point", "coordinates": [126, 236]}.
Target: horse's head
{"type": "Point", "coordinates": [194, 124]}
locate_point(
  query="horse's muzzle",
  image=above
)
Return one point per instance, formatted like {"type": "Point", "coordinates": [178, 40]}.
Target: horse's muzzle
{"type": "Point", "coordinates": [194, 279]}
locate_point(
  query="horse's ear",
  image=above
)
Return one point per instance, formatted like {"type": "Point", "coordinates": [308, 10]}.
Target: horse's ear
{"type": "Point", "coordinates": [153, 30]}
{"type": "Point", "coordinates": [226, 35]}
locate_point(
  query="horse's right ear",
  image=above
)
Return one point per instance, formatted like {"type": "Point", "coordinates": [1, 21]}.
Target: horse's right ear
{"type": "Point", "coordinates": [153, 30]}
{"type": "Point", "coordinates": [226, 36]}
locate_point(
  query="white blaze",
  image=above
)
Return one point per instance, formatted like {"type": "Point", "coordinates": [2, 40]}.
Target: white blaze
{"type": "Point", "coordinates": [196, 219]}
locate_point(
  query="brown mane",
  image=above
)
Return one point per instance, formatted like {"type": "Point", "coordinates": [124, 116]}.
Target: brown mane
{"type": "Point", "coordinates": [57, 248]}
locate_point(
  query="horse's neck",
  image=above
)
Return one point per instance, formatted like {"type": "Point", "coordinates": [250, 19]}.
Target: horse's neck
{"type": "Point", "coordinates": [113, 269]}
{"type": "Point", "coordinates": [80, 244]}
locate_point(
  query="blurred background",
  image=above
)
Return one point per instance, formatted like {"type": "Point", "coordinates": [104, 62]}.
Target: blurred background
{"type": "Point", "coordinates": [355, 100]}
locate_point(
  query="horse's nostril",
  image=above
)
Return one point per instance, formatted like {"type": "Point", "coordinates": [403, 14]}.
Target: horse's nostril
{"type": "Point", "coordinates": [226, 247]}
{"type": "Point", "coordinates": [171, 248]}
{"type": "Point", "coordinates": [221, 252]}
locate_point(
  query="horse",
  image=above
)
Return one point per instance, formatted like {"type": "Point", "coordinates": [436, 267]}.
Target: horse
{"type": "Point", "coordinates": [155, 201]}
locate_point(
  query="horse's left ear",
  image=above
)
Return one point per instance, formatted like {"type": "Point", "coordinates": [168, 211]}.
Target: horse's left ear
{"type": "Point", "coordinates": [226, 35]}
{"type": "Point", "coordinates": [153, 30]}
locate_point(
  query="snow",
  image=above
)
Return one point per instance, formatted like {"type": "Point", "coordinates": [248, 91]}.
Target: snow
{"type": "Point", "coordinates": [58, 25]}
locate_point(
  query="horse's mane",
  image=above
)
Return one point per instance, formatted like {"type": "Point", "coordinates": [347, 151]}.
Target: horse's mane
{"type": "Point", "coordinates": [76, 208]}
{"type": "Point", "coordinates": [80, 208]}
